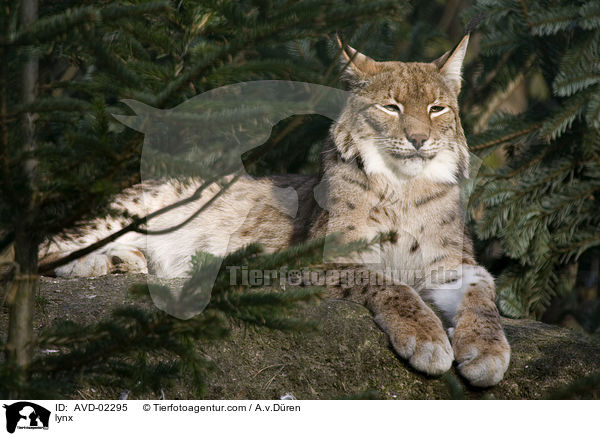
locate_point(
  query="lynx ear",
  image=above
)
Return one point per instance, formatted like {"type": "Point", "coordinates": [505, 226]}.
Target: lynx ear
{"type": "Point", "coordinates": [359, 65]}
{"type": "Point", "coordinates": [450, 64]}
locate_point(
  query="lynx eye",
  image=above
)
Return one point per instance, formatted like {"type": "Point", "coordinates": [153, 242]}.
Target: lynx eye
{"type": "Point", "coordinates": [436, 110]}
{"type": "Point", "coordinates": [391, 109]}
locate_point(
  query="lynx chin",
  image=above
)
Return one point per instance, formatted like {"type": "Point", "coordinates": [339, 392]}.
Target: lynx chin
{"type": "Point", "coordinates": [395, 158]}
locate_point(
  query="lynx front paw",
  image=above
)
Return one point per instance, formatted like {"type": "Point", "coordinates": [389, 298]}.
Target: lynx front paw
{"type": "Point", "coordinates": [422, 342]}
{"type": "Point", "coordinates": [432, 358]}
{"type": "Point", "coordinates": [482, 354]}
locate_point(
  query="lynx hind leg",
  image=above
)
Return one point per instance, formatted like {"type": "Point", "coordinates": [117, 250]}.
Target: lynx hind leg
{"type": "Point", "coordinates": [416, 333]}
{"type": "Point", "coordinates": [480, 346]}
{"type": "Point", "coordinates": [115, 258]}
{"type": "Point", "coordinates": [92, 265]}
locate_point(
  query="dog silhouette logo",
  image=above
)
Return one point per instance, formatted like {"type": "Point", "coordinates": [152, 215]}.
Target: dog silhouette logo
{"type": "Point", "coordinates": [26, 415]}
{"type": "Point", "coordinates": [226, 122]}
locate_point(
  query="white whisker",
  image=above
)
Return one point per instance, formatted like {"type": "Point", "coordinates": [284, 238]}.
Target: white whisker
{"type": "Point", "coordinates": [328, 150]}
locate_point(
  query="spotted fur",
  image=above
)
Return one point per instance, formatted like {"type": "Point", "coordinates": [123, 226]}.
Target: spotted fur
{"type": "Point", "coordinates": [396, 156]}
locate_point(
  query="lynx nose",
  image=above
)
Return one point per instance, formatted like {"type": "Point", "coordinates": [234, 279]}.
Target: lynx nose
{"type": "Point", "coordinates": [417, 139]}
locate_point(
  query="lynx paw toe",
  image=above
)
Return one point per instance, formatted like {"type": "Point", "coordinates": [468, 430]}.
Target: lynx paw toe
{"type": "Point", "coordinates": [483, 370]}
{"type": "Point", "coordinates": [483, 363]}
{"type": "Point", "coordinates": [432, 358]}
{"type": "Point", "coordinates": [480, 347]}
{"type": "Point", "coordinates": [428, 353]}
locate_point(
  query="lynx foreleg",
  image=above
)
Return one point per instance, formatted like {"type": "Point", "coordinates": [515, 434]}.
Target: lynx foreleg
{"type": "Point", "coordinates": [480, 346]}
{"type": "Point", "coordinates": [415, 332]}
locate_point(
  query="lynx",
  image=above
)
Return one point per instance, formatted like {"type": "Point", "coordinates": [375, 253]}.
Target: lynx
{"type": "Point", "coordinates": [396, 156]}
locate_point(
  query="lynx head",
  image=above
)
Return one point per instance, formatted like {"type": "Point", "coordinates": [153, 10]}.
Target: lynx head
{"type": "Point", "coordinates": [402, 121]}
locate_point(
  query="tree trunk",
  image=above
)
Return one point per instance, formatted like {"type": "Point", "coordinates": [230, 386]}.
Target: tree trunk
{"type": "Point", "coordinates": [22, 295]}
{"type": "Point", "coordinates": [22, 301]}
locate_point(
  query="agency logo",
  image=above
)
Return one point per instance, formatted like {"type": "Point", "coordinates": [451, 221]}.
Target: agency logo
{"type": "Point", "coordinates": [26, 415]}
{"type": "Point", "coordinates": [185, 141]}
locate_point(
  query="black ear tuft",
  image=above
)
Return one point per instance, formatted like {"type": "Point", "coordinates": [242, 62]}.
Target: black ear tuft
{"type": "Point", "coordinates": [474, 23]}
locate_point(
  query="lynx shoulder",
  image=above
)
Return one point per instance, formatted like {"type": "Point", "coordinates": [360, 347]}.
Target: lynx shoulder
{"type": "Point", "coordinates": [393, 164]}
